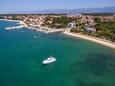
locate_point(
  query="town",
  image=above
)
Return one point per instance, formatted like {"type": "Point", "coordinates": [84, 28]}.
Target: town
{"type": "Point", "coordinates": [101, 26]}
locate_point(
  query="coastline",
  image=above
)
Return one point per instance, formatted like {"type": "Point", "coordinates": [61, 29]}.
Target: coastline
{"type": "Point", "coordinates": [19, 21]}
{"type": "Point", "coordinates": [93, 39]}
{"type": "Point", "coordinates": [50, 30]}
{"type": "Point", "coordinates": [40, 29]}
{"type": "Point", "coordinates": [10, 20]}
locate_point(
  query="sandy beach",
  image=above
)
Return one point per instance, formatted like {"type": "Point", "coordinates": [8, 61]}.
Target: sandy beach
{"type": "Point", "coordinates": [94, 39]}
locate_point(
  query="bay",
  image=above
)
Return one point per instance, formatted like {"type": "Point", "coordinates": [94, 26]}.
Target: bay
{"type": "Point", "coordinates": [79, 62]}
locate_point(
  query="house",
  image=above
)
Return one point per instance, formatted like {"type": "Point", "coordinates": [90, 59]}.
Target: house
{"type": "Point", "coordinates": [74, 15]}
{"type": "Point", "coordinates": [90, 29]}
{"type": "Point", "coordinates": [72, 25]}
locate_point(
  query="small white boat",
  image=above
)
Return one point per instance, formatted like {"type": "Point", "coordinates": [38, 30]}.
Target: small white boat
{"type": "Point", "coordinates": [49, 60]}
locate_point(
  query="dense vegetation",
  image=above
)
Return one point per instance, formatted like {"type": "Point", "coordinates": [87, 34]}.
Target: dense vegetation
{"type": "Point", "coordinates": [57, 22]}
{"type": "Point", "coordinates": [79, 26]}
{"type": "Point", "coordinates": [105, 29]}
{"type": "Point", "coordinates": [99, 14]}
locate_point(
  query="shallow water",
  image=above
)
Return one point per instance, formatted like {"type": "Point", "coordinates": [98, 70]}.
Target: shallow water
{"type": "Point", "coordinates": [79, 62]}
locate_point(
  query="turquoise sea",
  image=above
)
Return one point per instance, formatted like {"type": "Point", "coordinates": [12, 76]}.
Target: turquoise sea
{"type": "Point", "coordinates": [79, 62]}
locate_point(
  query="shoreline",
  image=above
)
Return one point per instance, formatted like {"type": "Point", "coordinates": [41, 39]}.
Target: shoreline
{"type": "Point", "coordinates": [18, 21]}
{"type": "Point", "coordinates": [39, 29]}
{"type": "Point", "coordinates": [90, 38]}
{"type": "Point", "coordinates": [93, 39]}
{"type": "Point", "coordinates": [10, 20]}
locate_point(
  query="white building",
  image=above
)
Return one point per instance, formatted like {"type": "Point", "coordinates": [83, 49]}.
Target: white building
{"type": "Point", "coordinates": [90, 30]}
{"type": "Point", "coordinates": [74, 15]}
{"type": "Point", "coordinates": [72, 25]}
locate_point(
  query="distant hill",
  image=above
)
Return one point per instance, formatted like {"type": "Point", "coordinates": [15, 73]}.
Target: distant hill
{"type": "Point", "coordinates": [67, 11]}
{"type": "Point", "coordinates": [82, 10]}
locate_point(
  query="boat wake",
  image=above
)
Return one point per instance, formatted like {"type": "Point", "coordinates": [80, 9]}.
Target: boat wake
{"type": "Point", "coordinates": [15, 27]}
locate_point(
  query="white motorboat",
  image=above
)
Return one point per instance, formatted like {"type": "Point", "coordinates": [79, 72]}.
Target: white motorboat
{"type": "Point", "coordinates": [49, 60]}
